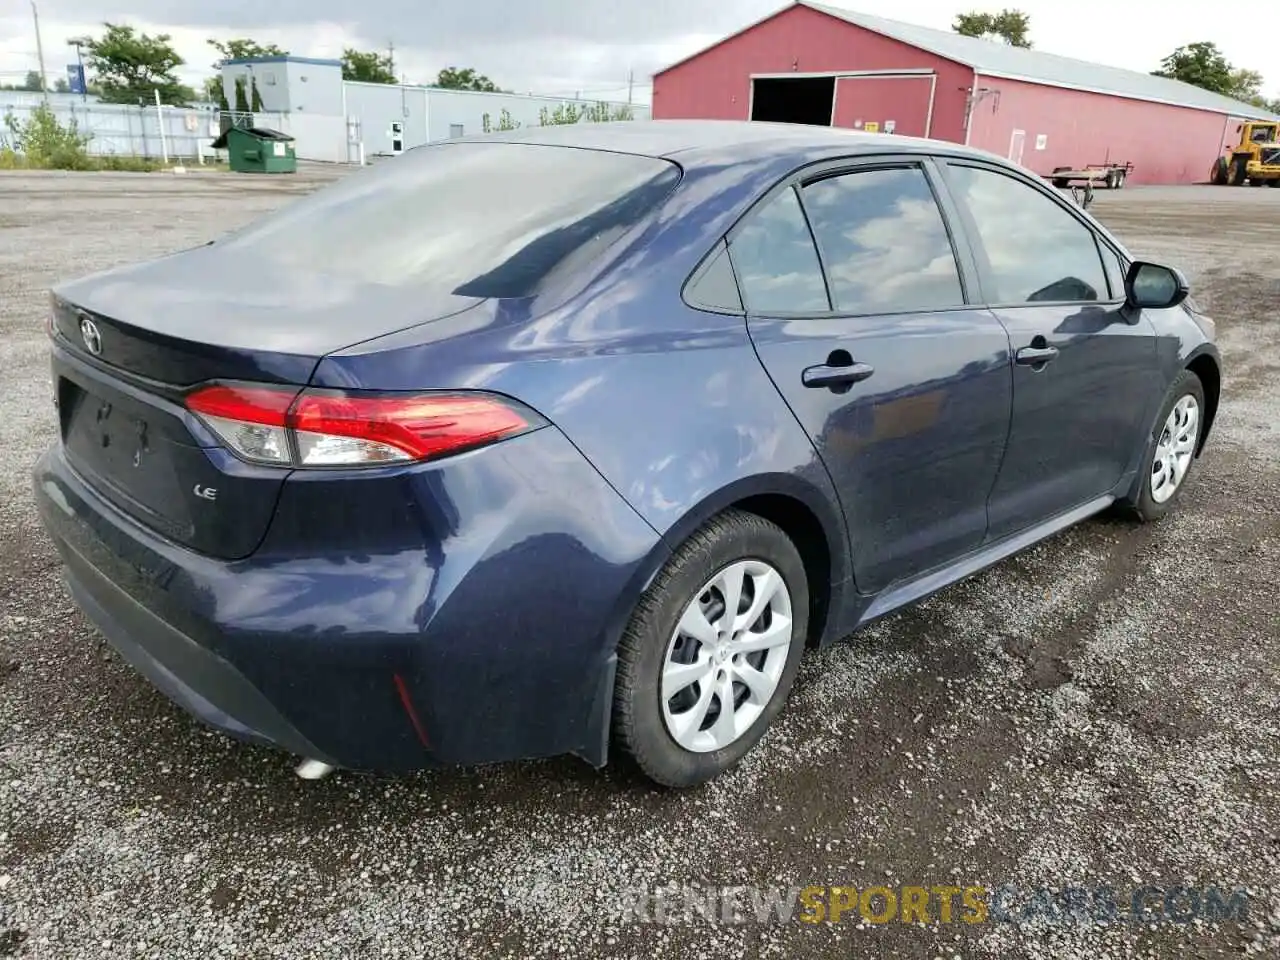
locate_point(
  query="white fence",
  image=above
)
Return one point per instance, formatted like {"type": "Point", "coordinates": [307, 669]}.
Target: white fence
{"type": "Point", "coordinates": [129, 130]}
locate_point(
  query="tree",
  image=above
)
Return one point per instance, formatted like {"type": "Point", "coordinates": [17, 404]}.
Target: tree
{"type": "Point", "coordinates": [566, 113]}
{"type": "Point", "coordinates": [243, 49]}
{"type": "Point", "coordinates": [256, 99]}
{"type": "Point", "coordinates": [505, 122]}
{"type": "Point", "coordinates": [371, 67]}
{"type": "Point", "coordinates": [1246, 85]}
{"type": "Point", "coordinates": [33, 82]}
{"type": "Point", "coordinates": [1011, 26]}
{"type": "Point", "coordinates": [130, 67]}
{"type": "Point", "coordinates": [1199, 64]}
{"type": "Point", "coordinates": [464, 78]}
{"type": "Point", "coordinates": [242, 101]}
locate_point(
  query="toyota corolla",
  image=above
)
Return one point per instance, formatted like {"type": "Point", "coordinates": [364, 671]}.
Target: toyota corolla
{"type": "Point", "coordinates": [571, 440]}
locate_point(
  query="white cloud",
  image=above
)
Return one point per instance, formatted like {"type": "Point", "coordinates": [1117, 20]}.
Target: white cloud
{"type": "Point", "coordinates": [566, 46]}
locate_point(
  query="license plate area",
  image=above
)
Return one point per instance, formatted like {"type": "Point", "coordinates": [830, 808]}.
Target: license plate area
{"type": "Point", "coordinates": [124, 454]}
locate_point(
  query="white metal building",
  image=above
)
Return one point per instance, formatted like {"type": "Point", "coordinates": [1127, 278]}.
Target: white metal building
{"type": "Point", "coordinates": [334, 119]}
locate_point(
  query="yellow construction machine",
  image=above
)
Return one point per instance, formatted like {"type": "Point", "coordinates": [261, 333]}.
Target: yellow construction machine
{"type": "Point", "coordinates": [1256, 158]}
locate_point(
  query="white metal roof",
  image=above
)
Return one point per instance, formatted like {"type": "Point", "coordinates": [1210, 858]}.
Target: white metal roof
{"type": "Point", "coordinates": [995, 59]}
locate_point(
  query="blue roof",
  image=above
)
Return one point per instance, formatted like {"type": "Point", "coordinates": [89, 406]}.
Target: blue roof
{"type": "Point", "coordinates": [692, 142]}
{"type": "Point", "coordinates": [287, 58]}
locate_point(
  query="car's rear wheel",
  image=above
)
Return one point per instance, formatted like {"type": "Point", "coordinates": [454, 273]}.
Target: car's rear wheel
{"type": "Point", "coordinates": [1175, 440]}
{"type": "Point", "coordinates": [712, 650]}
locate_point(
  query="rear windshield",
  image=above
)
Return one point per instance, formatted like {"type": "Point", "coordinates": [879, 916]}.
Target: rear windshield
{"type": "Point", "coordinates": [473, 219]}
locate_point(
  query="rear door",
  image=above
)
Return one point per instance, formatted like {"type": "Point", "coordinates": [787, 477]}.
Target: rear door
{"type": "Point", "coordinates": [1085, 374]}
{"type": "Point", "coordinates": [867, 333]}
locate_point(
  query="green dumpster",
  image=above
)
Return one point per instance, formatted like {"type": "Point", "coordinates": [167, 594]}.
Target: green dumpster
{"type": "Point", "coordinates": [258, 150]}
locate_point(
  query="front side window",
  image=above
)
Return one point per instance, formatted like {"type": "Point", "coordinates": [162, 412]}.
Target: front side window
{"type": "Point", "coordinates": [1115, 271]}
{"type": "Point", "coordinates": [884, 242]}
{"type": "Point", "coordinates": [776, 262]}
{"type": "Point", "coordinates": [1037, 251]}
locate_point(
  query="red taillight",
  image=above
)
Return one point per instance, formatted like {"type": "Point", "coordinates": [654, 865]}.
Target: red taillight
{"type": "Point", "coordinates": [320, 428]}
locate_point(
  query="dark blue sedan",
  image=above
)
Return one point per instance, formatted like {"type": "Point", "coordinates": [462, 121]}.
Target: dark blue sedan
{"type": "Point", "coordinates": [571, 440]}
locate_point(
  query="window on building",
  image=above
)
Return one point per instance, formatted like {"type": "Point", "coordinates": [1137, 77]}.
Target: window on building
{"type": "Point", "coordinates": [455, 130]}
{"type": "Point", "coordinates": [776, 262]}
{"type": "Point", "coordinates": [884, 242]}
{"type": "Point", "coordinates": [1038, 251]}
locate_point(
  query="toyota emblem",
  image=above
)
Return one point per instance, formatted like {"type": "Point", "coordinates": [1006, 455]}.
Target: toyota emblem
{"type": "Point", "coordinates": [92, 338]}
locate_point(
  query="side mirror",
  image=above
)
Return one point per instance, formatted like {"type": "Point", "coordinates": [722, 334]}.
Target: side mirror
{"type": "Point", "coordinates": [1154, 287]}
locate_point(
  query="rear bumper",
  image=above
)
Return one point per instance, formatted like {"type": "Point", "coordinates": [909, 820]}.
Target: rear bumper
{"type": "Point", "coordinates": [466, 631]}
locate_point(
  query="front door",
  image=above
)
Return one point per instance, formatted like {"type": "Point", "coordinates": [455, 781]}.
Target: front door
{"type": "Point", "coordinates": [1017, 143]}
{"type": "Point", "coordinates": [1085, 373]}
{"type": "Point", "coordinates": [903, 387]}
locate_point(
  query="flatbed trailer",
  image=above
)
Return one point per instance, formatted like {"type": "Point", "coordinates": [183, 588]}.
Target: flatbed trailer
{"type": "Point", "coordinates": [1110, 175]}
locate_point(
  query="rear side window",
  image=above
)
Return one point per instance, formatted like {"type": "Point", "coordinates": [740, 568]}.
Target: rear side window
{"type": "Point", "coordinates": [884, 242]}
{"type": "Point", "coordinates": [472, 219]}
{"type": "Point", "coordinates": [1038, 252]}
{"type": "Point", "coordinates": [776, 262]}
{"type": "Point", "coordinates": [713, 287]}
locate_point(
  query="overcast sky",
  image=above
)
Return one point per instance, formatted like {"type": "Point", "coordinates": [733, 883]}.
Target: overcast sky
{"type": "Point", "coordinates": [564, 46]}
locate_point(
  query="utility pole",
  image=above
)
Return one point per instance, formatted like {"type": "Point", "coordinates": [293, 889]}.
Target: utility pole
{"type": "Point", "coordinates": [44, 81]}
{"type": "Point", "coordinates": [631, 83]}
{"type": "Point", "coordinates": [391, 57]}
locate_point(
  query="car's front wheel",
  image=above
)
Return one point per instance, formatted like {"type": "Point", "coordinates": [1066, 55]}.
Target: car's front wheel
{"type": "Point", "coordinates": [1175, 440]}
{"type": "Point", "coordinates": [712, 650]}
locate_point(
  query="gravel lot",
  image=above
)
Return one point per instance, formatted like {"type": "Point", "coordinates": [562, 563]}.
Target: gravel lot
{"type": "Point", "coordinates": [1100, 710]}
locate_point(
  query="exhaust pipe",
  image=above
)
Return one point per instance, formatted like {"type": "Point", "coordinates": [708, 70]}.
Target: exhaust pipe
{"type": "Point", "coordinates": [313, 769]}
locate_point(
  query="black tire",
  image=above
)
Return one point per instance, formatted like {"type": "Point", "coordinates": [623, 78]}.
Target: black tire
{"type": "Point", "coordinates": [1142, 505]}
{"type": "Point", "coordinates": [1113, 180]}
{"type": "Point", "coordinates": [1218, 176]}
{"type": "Point", "coordinates": [1239, 172]}
{"type": "Point", "coordinates": [638, 725]}
{"type": "Point", "coordinates": [1273, 183]}
{"type": "Point", "coordinates": [1061, 183]}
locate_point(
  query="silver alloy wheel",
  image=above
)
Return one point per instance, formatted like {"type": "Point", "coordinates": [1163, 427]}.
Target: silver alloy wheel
{"type": "Point", "coordinates": [726, 656]}
{"type": "Point", "coordinates": [1175, 448]}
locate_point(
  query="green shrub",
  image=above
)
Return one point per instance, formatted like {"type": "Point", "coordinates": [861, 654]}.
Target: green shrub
{"type": "Point", "coordinates": [45, 143]}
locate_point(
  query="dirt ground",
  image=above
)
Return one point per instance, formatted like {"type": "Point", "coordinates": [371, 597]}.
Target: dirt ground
{"type": "Point", "coordinates": [1103, 710]}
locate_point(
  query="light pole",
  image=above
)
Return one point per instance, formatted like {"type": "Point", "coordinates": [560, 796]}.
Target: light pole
{"type": "Point", "coordinates": [44, 81]}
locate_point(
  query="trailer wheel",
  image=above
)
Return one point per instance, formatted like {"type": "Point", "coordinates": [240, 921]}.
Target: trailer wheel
{"type": "Point", "coordinates": [1113, 178]}
{"type": "Point", "coordinates": [1121, 176]}
{"type": "Point", "coordinates": [1060, 182]}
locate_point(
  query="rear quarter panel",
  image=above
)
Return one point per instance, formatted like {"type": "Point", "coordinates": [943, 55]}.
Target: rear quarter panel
{"type": "Point", "coordinates": [670, 404]}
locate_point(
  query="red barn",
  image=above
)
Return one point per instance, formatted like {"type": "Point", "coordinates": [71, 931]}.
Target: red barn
{"type": "Point", "coordinates": [812, 63]}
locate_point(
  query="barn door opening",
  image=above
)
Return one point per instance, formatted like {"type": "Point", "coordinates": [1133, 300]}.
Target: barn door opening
{"type": "Point", "coordinates": [1017, 143]}
{"type": "Point", "coordinates": [793, 99]}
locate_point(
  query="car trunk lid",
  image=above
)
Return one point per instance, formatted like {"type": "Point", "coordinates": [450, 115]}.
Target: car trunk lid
{"type": "Point", "coordinates": [132, 342]}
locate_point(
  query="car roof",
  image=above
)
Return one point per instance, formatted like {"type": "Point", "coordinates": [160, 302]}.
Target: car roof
{"type": "Point", "coordinates": [694, 141]}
